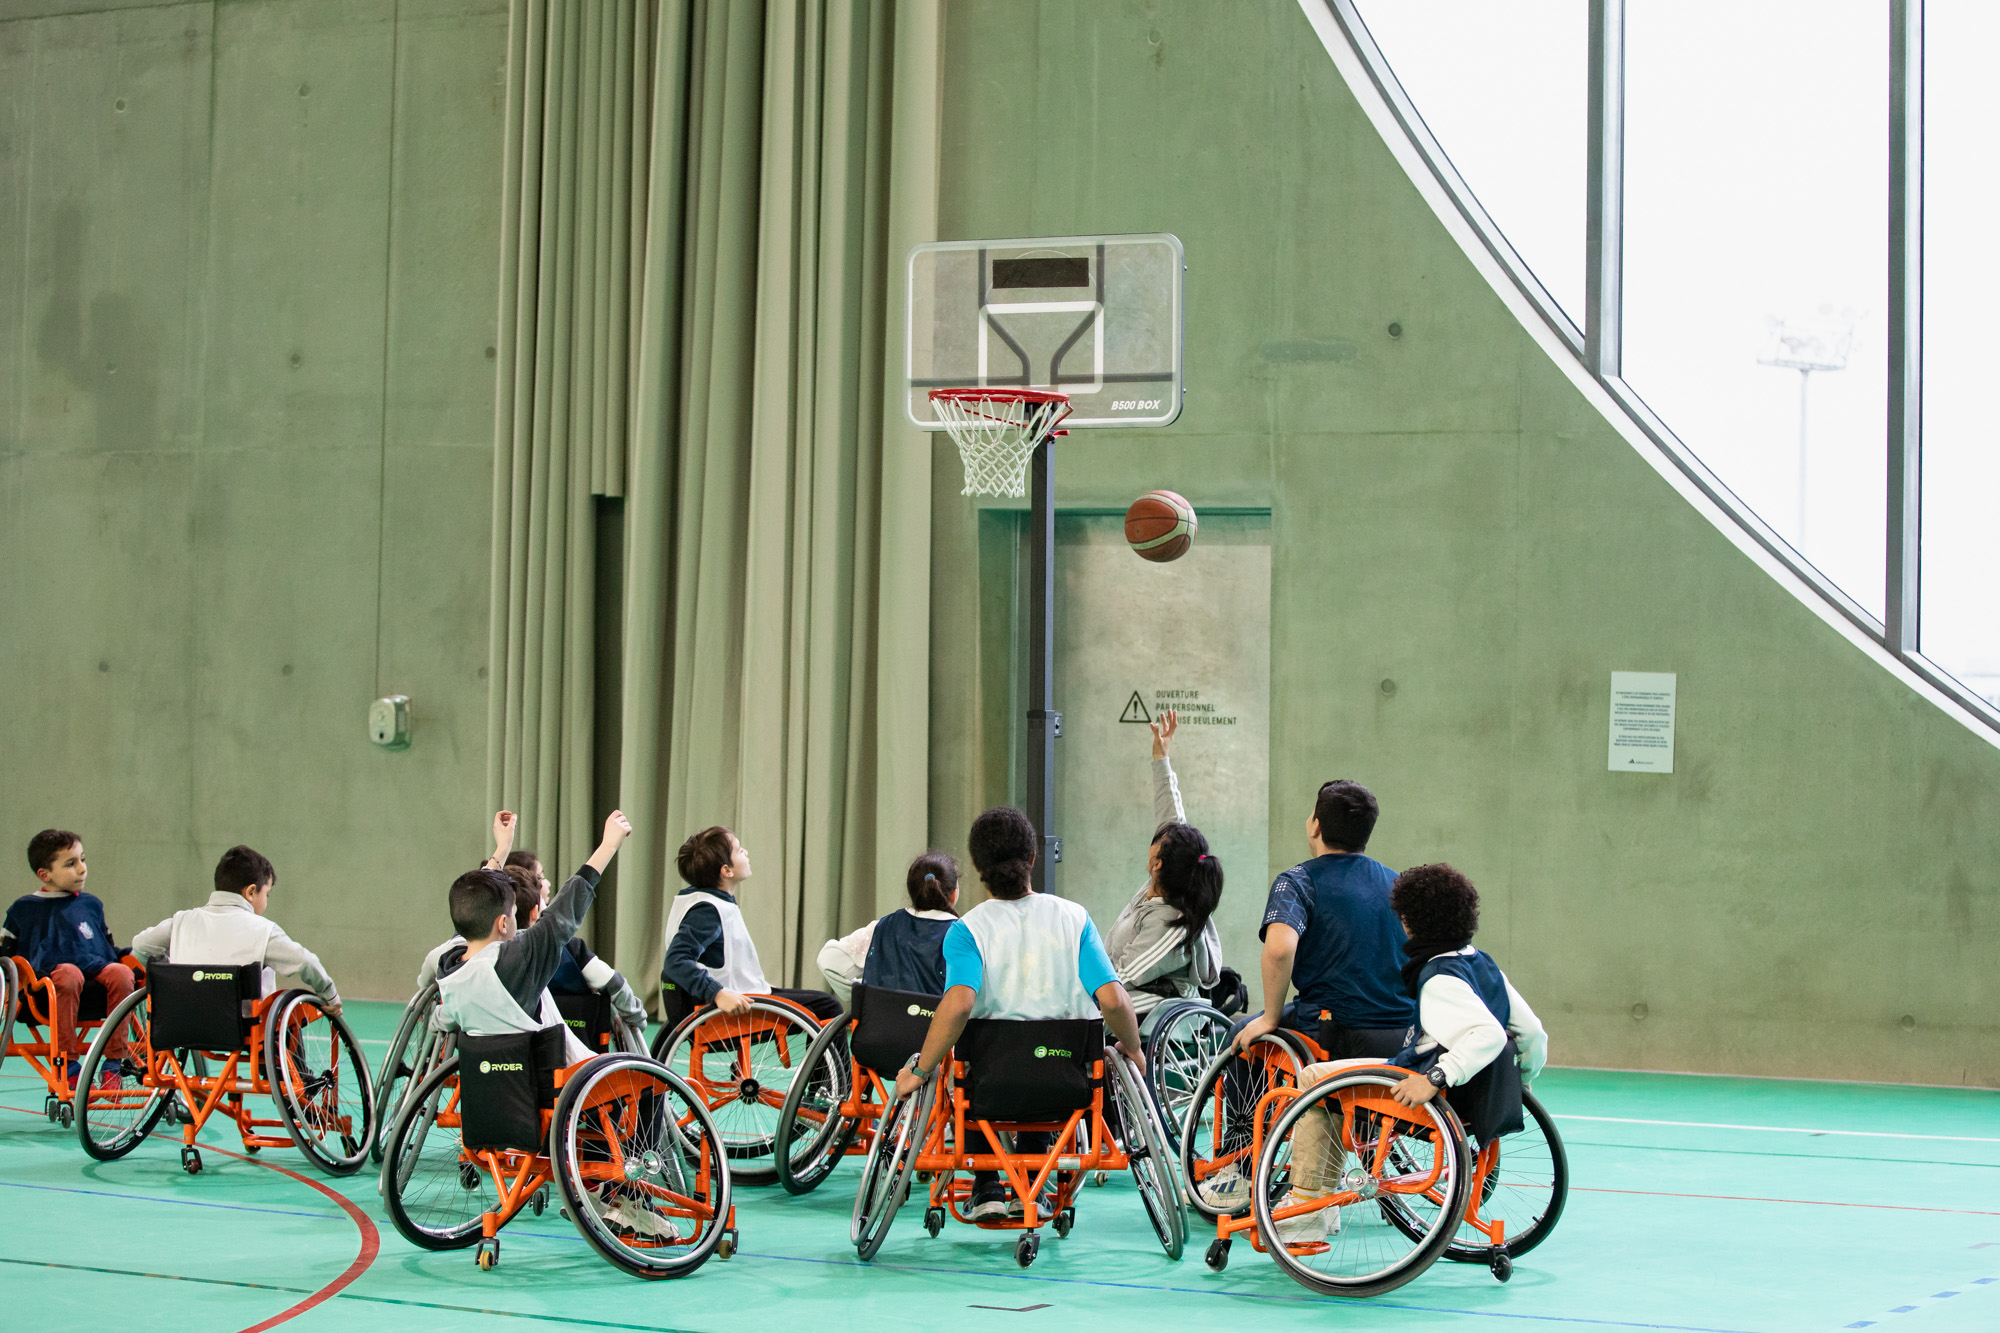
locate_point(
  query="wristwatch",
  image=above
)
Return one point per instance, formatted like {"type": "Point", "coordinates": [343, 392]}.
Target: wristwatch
{"type": "Point", "coordinates": [1436, 1076]}
{"type": "Point", "coordinates": [911, 1065]}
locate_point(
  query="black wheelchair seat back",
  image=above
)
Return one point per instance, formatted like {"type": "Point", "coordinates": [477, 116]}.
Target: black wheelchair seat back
{"type": "Point", "coordinates": [1029, 1069]}
{"type": "Point", "coordinates": [889, 1026]}
{"type": "Point", "coordinates": [588, 1016]}
{"type": "Point", "coordinates": [202, 1008]}
{"type": "Point", "coordinates": [504, 1085]}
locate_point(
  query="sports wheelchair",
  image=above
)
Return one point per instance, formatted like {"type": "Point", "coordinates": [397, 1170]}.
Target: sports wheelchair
{"type": "Point", "coordinates": [1182, 1039]}
{"type": "Point", "coordinates": [281, 1046]}
{"type": "Point", "coordinates": [1326, 1152]}
{"type": "Point", "coordinates": [742, 1067]}
{"type": "Point", "coordinates": [30, 1001]}
{"type": "Point", "coordinates": [824, 1120]}
{"type": "Point", "coordinates": [418, 1049]}
{"type": "Point", "coordinates": [631, 1148]}
{"type": "Point", "coordinates": [1008, 1078]}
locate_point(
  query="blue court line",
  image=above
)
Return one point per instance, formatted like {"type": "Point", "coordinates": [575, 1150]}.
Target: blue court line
{"type": "Point", "coordinates": [185, 1203]}
{"type": "Point", "coordinates": [1375, 1303]}
{"type": "Point", "coordinates": [1936, 1296]}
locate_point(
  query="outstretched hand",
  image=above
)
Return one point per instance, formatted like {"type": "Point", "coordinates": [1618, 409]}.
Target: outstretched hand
{"type": "Point", "coordinates": [505, 824]}
{"type": "Point", "coordinates": [1163, 728]}
{"type": "Point", "coordinates": [616, 829]}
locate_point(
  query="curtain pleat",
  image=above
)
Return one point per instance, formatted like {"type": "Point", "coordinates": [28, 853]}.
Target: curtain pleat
{"type": "Point", "coordinates": [704, 205]}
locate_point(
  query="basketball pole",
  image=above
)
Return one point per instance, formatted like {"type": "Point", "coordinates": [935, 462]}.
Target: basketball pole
{"type": "Point", "coordinates": [1044, 723]}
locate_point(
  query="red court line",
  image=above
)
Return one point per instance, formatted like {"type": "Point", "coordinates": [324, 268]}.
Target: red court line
{"type": "Point", "coordinates": [371, 1243]}
{"type": "Point", "coordinates": [1814, 1203]}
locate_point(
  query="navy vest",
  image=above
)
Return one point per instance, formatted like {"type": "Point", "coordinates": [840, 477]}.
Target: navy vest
{"type": "Point", "coordinates": [568, 979]}
{"type": "Point", "coordinates": [907, 954]}
{"type": "Point", "coordinates": [1489, 1102]}
{"type": "Point", "coordinates": [49, 932]}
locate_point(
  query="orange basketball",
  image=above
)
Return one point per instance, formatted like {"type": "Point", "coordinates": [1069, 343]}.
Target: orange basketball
{"type": "Point", "coordinates": [1161, 525]}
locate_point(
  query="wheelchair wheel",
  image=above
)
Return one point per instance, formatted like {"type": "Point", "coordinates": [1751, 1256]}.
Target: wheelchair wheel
{"type": "Point", "coordinates": [812, 1134]}
{"type": "Point", "coordinates": [1185, 1040]}
{"type": "Point", "coordinates": [1154, 1165]}
{"type": "Point", "coordinates": [888, 1168]}
{"type": "Point", "coordinates": [1360, 1145]}
{"type": "Point", "coordinates": [400, 1073]}
{"type": "Point", "coordinates": [112, 1122]}
{"type": "Point", "coordinates": [743, 1066]}
{"type": "Point", "coordinates": [10, 1000]}
{"type": "Point", "coordinates": [1526, 1189]}
{"type": "Point", "coordinates": [434, 1201]}
{"type": "Point", "coordinates": [640, 1166]}
{"type": "Point", "coordinates": [1217, 1134]}
{"type": "Point", "coordinates": [319, 1079]}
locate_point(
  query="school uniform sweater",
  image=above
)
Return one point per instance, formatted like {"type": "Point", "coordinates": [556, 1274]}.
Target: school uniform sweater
{"type": "Point", "coordinates": [51, 927]}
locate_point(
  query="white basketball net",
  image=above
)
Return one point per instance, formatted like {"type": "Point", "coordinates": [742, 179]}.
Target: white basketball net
{"type": "Point", "coordinates": [997, 435]}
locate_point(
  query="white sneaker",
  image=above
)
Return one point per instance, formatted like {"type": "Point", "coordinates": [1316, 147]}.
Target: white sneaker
{"type": "Point", "coordinates": [1314, 1228]}
{"type": "Point", "coordinates": [1227, 1191]}
{"type": "Point", "coordinates": [642, 1222]}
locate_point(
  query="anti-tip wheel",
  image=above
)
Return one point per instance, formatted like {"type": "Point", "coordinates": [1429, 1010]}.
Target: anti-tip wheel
{"type": "Point", "coordinates": [1099, 1179]}
{"type": "Point", "coordinates": [1064, 1221]}
{"type": "Point", "coordinates": [65, 1115]}
{"type": "Point", "coordinates": [934, 1221]}
{"type": "Point", "coordinates": [540, 1202]}
{"type": "Point", "coordinates": [1218, 1255]}
{"type": "Point", "coordinates": [1502, 1264]}
{"type": "Point", "coordinates": [488, 1253]}
{"type": "Point", "coordinates": [191, 1161]}
{"type": "Point", "coordinates": [725, 1247]}
{"type": "Point", "coordinates": [1026, 1248]}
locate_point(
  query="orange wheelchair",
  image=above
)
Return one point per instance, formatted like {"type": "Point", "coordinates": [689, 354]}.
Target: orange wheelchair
{"type": "Point", "coordinates": [281, 1046]}
{"type": "Point", "coordinates": [824, 1120]}
{"type": "Point", "coordinates": [1356, 1194]}
{"type": "Point", "coordinates": [632, 1149]}
{"type": "Point", "coordinates": [743, 1066]}
{"type": "Point", "coordinates": [1218, 1134]}
{"type": "Point", "coordinates": [1004, 1079]}
{"type": "Point", "coordinates": [28, 1001]}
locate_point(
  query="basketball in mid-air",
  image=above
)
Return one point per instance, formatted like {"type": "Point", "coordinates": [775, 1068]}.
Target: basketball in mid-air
{"type": "Point", "coordinates": [1161, 525]}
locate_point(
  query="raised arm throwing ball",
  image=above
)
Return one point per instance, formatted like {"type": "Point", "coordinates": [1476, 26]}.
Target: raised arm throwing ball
{"type": "Point", "coordinates": [1161, 525]}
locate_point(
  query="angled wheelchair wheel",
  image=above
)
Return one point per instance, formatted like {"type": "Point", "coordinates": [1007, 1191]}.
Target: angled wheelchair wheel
{"type": "Point", "coordinates": [111, 1122]}
{"type": "Point", "coordinates": [743, 1066]}
{"type": "Point", "coordinates": [889, 1167]}
{"type": "Point", "coordinates": [1154, 1165]}
{"type": "Point", "coordinates": [1355, 1194]}
{"type": "Point", "coordinates": [10, 1000]}
{"type": "Point", "coordinates": [434, 1195]}
{"type": "Point", "coordinates": [1525, 1185]}
{"type": "Point", "coordinates": [1185, 1040]}
{"type": "Point", "coordinates": [812, 1134]}
{"type": "Point", "coordinates": [319, 1079]}
{"type": "Point", "coordinates": [640, 1167]}
{"type": "Point", "coordinates": [1216, 1137]}
{"type": "Point", "coordinates": [401, 1066]}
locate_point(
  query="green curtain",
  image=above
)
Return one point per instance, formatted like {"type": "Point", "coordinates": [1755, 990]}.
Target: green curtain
{"type": "Point", "coordinates": [708, 204]}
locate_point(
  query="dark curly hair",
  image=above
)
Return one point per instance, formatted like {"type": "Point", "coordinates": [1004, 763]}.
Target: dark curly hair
{"type": "Point", "coordinates": [1002, 843]}
{"type": "Point", "coordinates": [1436, 902]}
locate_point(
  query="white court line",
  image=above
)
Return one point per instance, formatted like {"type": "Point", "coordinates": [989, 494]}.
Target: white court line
{"type": "Point", "coordinates": [1783, 1129]}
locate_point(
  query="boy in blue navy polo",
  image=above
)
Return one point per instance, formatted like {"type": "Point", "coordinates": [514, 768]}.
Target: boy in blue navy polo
{"type": "Point", "coordinates": [60, 930]}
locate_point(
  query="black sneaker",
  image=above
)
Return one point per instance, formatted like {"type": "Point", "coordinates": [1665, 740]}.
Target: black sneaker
{"type": "Point", "coordinates": [989, 1202]}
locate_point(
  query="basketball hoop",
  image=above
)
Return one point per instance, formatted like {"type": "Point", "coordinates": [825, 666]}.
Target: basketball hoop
{"type": "Point", "coordinates": [996, 431]}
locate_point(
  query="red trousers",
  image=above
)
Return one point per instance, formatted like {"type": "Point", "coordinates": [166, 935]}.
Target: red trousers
{"type": "Point", "coordinates": [116, 978]}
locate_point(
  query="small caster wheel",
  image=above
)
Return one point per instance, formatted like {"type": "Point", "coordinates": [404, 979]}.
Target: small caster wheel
{"type": "Point", "coordinates": [1502, 1264]}
{"type": "Point", "coordinates": [49, 1104]}
{"type": "Point", "coordinates": [1064, 1221]}
{"type": "Point", "coordinates": [253, 1148]}
{"type": "Point", "coordinates": [934, 1221]}
{"type": "Point", "coordinates": [1099, 1179]}
{"type": "Point", "coordinates": [1026, 1248]}
{"type": "Point", "coordinates": [65, 1115]}
{"type": "Point", "coordinates": [726, 1247]}
{"type": "Point", "coordinates": [191, 1161]}
{"type": "Point", "coordinates": [488, 1254]}
{"type": "Point", "coordinates": [539, 1203]}
{"type": "Point", "coordinates": [468, 1176]}
{"type": "Point", "coordinates": [1218, 1255]}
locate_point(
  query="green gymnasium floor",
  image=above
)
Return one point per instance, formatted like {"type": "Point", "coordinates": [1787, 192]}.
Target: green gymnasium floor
{"type": "Point", "coordinates": [1696, 1203]}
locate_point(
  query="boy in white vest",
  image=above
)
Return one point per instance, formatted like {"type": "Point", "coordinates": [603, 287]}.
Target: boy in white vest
{"type": "Point", "coordinates": [500, 983]}
{"type": "Point", "coordinates": [711, 958]}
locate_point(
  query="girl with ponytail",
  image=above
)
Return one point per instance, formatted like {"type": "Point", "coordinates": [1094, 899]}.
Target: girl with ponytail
{"type": "Point", "coordinates": [1164, 944]}
{"type": "Point", "coordinates": [904, 950]}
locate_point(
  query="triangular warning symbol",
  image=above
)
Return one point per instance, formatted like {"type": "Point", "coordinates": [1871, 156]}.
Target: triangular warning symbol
{"type": "Point", "coordinates": [1135, 710]}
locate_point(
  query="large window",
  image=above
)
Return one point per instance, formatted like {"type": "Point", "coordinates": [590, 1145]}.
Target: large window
{"type": "Point", "coordinates": [1960, 625]}
{"type": "Point", "coordinates": [1735, 216]}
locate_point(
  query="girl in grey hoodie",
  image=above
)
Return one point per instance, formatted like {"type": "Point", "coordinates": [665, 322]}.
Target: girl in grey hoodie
{"type": "Point", "coordinates": [1163, 943]}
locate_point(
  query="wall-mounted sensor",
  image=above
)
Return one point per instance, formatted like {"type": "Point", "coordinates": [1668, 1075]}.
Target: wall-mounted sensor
{"type": "Point", "coordinates": [389, 722]}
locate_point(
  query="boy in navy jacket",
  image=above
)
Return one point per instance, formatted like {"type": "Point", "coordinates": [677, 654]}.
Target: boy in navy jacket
{"type": "Point", "coordinates": [60, 930]}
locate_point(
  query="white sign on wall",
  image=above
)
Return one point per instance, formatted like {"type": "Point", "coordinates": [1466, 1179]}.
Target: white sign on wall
{"type": "Point", "coordinates": [1642, 721]}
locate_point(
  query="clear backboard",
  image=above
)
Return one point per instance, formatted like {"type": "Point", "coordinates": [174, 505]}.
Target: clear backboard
{"type": "Point", "coordinates": [1095, 317]}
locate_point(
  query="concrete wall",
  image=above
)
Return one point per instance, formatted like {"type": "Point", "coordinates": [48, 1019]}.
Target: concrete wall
{"type": "Point", "coordinates": [247, 289]}
{"type": "Point", "coordinates": [1463, 551]}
